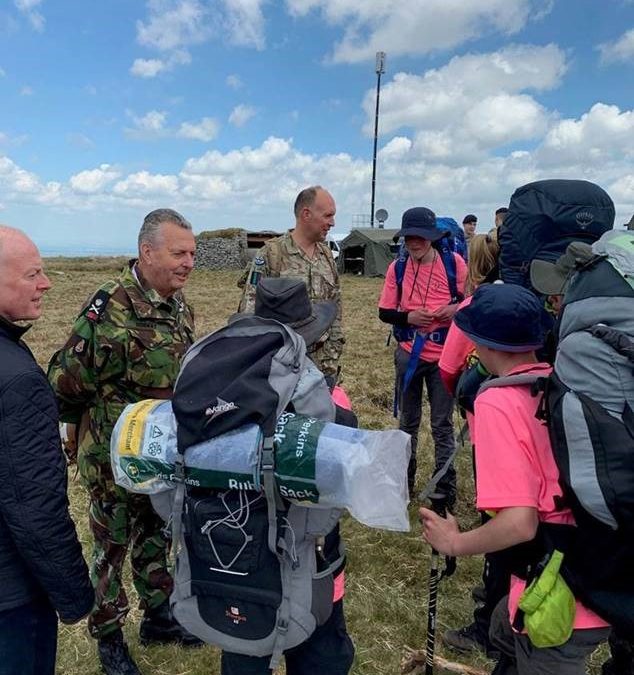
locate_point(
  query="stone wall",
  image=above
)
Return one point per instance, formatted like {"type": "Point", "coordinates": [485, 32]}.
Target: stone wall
{"type": "Point", "coordinates": [221, 253]}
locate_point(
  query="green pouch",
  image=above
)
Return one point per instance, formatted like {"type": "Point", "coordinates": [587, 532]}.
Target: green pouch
{"type": "Point", "coordinates": [549, 606]}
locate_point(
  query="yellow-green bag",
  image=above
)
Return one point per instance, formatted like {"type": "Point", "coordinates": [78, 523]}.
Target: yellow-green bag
{"type": "Point", "coordinates": [549, 606]}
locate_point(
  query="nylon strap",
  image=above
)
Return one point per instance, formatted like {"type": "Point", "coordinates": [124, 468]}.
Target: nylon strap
{"type": "Point", "coordinates": [417, 348]}
{"type": "Point", "coordinates": [177, 506]}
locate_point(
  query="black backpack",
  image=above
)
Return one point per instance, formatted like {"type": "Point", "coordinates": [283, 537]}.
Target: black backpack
{"type": "Point", "coordinates": [544, 217]}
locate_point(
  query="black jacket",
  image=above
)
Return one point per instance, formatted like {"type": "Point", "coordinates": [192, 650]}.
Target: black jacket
{"type": "Point", "coordinates": [40, 555]}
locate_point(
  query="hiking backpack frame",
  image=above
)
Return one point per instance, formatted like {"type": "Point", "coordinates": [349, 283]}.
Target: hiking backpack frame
{"type": "Point", "coordinates": [249, 575]}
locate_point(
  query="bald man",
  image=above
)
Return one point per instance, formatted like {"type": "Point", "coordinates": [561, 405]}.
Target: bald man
{"type": "Point", "coordinates": [42, 572]}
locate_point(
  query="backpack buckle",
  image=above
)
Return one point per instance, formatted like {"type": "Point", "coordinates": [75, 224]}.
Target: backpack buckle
{"type": "Point", "coordinates": [268, 459]}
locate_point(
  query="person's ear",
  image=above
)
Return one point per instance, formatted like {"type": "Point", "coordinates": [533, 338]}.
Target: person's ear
{"type": "Point", "coordinates": [144, 251]}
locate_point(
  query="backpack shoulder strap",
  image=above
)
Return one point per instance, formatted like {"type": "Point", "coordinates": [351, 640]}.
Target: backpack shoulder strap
{"type": "Point", "coordinates": [449, 262]}
{"type": "Point", "coordinates": [399, 272]}
{"type": "Point", "coordinates": [532, 380]}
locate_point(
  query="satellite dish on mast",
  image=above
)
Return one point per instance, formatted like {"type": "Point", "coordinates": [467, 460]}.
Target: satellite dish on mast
{"type": "Point", "coordinates": [381, 215]}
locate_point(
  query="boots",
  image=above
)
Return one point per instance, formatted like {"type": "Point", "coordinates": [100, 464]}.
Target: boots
{"type": "Point", "coordinates": [159, 626]}
{"type": "Point", "coordinates": [114, 656]}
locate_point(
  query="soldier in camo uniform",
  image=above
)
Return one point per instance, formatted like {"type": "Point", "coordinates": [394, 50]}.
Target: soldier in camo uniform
{"type": "Point", "coordinates": [302, 253]}
{"type": "Point", "coordinates": [125, 346]}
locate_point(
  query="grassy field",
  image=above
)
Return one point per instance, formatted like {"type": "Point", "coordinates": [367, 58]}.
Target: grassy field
{"type": "Point", "coordinates": [387, 573]}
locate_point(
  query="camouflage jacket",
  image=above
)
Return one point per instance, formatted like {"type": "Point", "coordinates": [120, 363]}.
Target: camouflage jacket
{"type": "Point", "coordinates": [281, 257]}
{"type": "Point", "coordinates": [126, 345]}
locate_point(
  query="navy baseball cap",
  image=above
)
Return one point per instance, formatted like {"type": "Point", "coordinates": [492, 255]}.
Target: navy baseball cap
{"type": "Point", "coordinates": [506, 317]}
{"type": "Point", "coordinates": [420, 222]}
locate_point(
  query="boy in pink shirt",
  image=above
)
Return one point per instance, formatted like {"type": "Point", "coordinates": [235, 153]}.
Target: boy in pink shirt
{"type": "Point", "coordinates": [516, 475]}
{"type": "Point", "coordinates": [423, 303]}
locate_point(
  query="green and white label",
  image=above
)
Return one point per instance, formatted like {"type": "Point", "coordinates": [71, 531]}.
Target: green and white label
{"type": "Point", "coordinates": [296, 438]}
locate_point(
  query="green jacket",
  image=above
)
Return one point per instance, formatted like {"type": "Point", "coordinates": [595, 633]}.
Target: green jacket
{"type": "Point", "coordinates": [126, 345]}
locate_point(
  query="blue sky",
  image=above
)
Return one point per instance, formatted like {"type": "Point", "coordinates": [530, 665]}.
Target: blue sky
{"type": "Point", "coordinates": [224, 109]}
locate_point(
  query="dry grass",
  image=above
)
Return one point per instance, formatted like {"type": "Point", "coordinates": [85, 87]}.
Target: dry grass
{"type": "Point", "coordinates": [387, 572]}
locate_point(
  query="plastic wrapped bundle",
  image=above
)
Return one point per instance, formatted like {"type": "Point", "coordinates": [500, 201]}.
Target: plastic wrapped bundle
{"type": "Point", "coordinates": [317, 464]}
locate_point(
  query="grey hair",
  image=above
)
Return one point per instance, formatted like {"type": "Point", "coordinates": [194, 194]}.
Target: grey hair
{"type": "Point", "coordinates": [149, 231]}
{"type": "Point", "coordinates": [306, 198]}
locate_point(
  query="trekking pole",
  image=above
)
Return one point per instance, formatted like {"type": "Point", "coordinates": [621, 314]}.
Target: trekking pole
{"type": "Point", "coordinates": [439, 508]}
{"type": "Point", "coordinates": [431, 613]}
{"type": "Point", "coordinates": [439, 505]}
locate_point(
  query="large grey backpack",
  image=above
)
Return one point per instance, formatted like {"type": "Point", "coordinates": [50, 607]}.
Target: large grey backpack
{"type": "Point", "coordinates": [588, 404]}
{"type": "Point", "coordinates": [249, 577]}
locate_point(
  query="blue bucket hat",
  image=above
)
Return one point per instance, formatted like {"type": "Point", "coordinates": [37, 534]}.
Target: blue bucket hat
{"type": "Point", "coordinates": [420, 222]}
{"type": "Point", "coordinates": [506, 317]}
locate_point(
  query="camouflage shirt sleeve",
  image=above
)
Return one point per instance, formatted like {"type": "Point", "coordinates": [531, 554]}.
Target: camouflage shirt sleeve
{"type": "Point", "coordinates": [75, 371]}
{"type": "Point", "coordinates": [328, 355]}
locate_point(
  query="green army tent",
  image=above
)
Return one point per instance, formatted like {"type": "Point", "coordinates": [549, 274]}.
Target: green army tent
{"type": "Point", "coordinates": [367, 251]}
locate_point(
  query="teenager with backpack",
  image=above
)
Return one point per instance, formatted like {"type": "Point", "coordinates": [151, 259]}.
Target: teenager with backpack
{"type": "Point", "coordinates": [517, 478]}
{"type": "Point", "coordinates": [552, 279]}
{"type": "Point", "coordinates": [420, 308]}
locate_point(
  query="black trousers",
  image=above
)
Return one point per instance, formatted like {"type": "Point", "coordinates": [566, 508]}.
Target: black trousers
{"type": "Point", "coordinates": [440, 417]}
{"type": "Point", "coordinates": [328, 651]}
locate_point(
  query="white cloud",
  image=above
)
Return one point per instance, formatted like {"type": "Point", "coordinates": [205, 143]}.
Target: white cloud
{"type": "Point", "coordinates": [152, 67]}
{"type": "Point", "coordinates": [147, 67]}
{"type": "Point", "coordinates": [149, 126]}
{"type": "Point", "coordinates": [234, 82]}
{"type": "Point", "coordinates": [254, 186]}
{"type": "Point", "coordinates": [244, 22]}
{"type": "Point", "coordinates": [401, 27]}
{"type": "Point", "coordinates": [504, 118]}
{"type": "Point", "coordinates": [597, 136]}
{"type": "Point", "coordinates": [209, 188]}
{"type": "Point", "coordinates": [153, 125]}
{"type": "Point", "coordinates": [241, 114]}
{"type": "Point", "coordinates": [143, 184]}
{"type": "Point", "coordinates": [205, 130]}
{"type": "Point", "coordinates": [3, 72]}
{"type": "Point", "coordinates": [620, 51]}
{"type": "Point", "coordinates": [29, 9]}
{"type": "Point", "coordinates": [622, 190]}
{"type": "Point", "coordinates": [472, 104]}
{"type": "Point", "coordinates": [26, 91]}
{"type": "Point", "coordinates": [94, 180]}
{"type": "Point", "coordinates": [173, 26]}
{"type": "Point", "coordinates": [20, 186]}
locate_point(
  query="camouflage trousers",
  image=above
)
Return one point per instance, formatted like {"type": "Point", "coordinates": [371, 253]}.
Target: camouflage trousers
{"type": "Point", "coordinates": [119, 519]}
